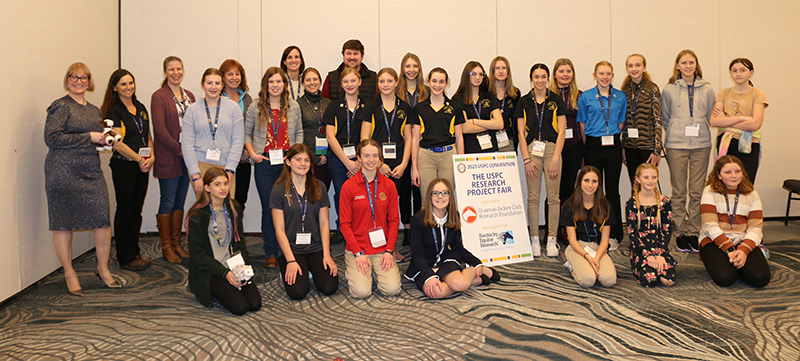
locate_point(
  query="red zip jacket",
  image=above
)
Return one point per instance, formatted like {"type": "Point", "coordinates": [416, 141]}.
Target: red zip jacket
{"type": "Point", "coordinates": [355, 217]}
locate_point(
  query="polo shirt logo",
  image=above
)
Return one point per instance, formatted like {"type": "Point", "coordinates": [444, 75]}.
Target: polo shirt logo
{"type": "Point", "coordinates": [448, 109]}
{"type": "Point", "coordinates": [401, 114]}
{"type": "Point", "coordinates": [485, 103]}
{"type": "Point", "coordinates": [552, 105]}
{"type": "Point", "coordinates": [382, 196]}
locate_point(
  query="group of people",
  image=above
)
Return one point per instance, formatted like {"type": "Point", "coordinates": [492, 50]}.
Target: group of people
{"type": "Point", "coordinates": [384, 142]}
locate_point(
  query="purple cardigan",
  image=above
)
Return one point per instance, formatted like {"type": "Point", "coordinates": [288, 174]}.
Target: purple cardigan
{"type": "Point", "coordinates": [166, 133]}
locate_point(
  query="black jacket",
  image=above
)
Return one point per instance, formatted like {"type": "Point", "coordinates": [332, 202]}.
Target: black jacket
{"type": "Point", "coordinates": [423, 249]}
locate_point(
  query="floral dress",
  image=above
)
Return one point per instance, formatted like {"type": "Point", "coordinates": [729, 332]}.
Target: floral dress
{"type": "Point", "coordinates": [648, 238]}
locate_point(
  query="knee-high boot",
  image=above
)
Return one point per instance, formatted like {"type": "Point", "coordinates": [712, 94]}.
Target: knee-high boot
{"type": "Point", "coordinates": [164, 224]}
{"type": "Point", "coordinates": [177, 226]}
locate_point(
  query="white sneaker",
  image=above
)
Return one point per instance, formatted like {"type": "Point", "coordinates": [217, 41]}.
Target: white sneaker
{"type": "Point", "coordinates": [613, 244]}
{"type": "Point", "coordinates": [552, 247]}
{"type": "Point", "coordinates": [537, 247]}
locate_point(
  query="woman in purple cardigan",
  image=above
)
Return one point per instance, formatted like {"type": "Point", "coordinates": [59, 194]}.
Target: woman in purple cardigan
{"type": "Point", "coordinates": [168, 106]}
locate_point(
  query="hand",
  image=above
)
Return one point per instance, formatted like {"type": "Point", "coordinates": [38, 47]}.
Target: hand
{"type": "Point", "coordinates": [398, 171]}
{"type": "Point", "coordinates": [292, 270]}
{"type": "Point", "coordinates": [553, 169]}
{"type": "Point", "coordinates": [654, 159]}
{"type": "Point", "coordinates": [323, 160]}
{"type": "Point", "coordinates": [329, 264]}
{"type": "Point", "coordinates": [97, 137]}
{"type": "Point", "coordinates": [232, 280]}
{"type": "Point", "coordinates": [387, 261]}
{"type": "Point", "coordinates": [146, 163]}
{"type": "Point", "coordinates": [352, 167]}
{"type": "Point", "coordinates": [737, 258]}
{"type": "Point", "coordinates": [531, 170]}
{"type": "Point", "coordinates": [230, 175]}
{"type": "Point", "coordinates": [717, 112]}
{"type": "Point", "coordinates": [385, 170]}
{"type": "Point", "coordinates": [198, 184]}
{"type": "Point", "coordinates": [362, 263]}
{"type": "Point", "coordinates": [258, 158]}
{"type": "Point", "coordinates": [433, 287]}
{"type": "Point", "coordinates": [593, 262]}
{"type": "Point", "coordinates": [657, 262]}
{"type": "Point", "coordinates": [415, 177]}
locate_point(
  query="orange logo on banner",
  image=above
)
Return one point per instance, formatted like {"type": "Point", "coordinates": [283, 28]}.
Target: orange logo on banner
{"type": "Point", "coordinates": [469, 214]}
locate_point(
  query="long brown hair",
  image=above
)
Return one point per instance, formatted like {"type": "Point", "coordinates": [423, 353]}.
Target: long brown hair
{"type": "Point", "coordinates": [111, 96]}
{"type": "Point", "coordinates": [230, 63]}
{"type": "Point", "coordinates": [204, 199]}
{"type": "Point", "coordinates": [601, 206]}
{"type": "Point", "coordinates": [745, 186]}
{"type": "Point", "coordinates": [264, 115]}
{"type": "Point", "coordinates": [168, 60]}
{"type": "Point", "coordinates": [453, 220]}
{"type": "Point", "coordinates": [465, 87]}
{"type": "Point", "coordinates": [402, 83]}
{"type": "Point", "coordinates": [572, 102]}
{"type": "Point", "coordinates": [286, 55]}
{"type": "Point", "coordinates": [637, 188]}
{"type": "Point", "coordinates": [313, 191]}
{"type": "Point", "coordinates": [645, 74]}
{"type": "Point", "coordinates": [511, 90]}
{"type": "Point", "coordinates": [676, 74]}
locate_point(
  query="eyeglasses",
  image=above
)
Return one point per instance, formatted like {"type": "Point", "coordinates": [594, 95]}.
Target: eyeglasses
{"type": "Point", "coordinates": [440, 193]}
{"type": "Point", "coordinates": [81, 79]}
{"type": "Point", "coordinates": [480, 75]}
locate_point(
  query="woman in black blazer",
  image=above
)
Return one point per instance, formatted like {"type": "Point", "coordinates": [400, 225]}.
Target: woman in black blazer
{"type": "Point", "coordinates": [438, 267]}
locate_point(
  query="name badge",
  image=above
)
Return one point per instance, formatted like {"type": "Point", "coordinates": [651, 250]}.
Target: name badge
{"type": "Point", "coordinates": [322, 146]}
{"type": "Point", "coordinates": [303, 238]}
{"type": "Point", "coordinates": [607, 140]}
{"type": "Point", "coordinates": [275, 156]}
{"type": "Point", "coordinates": [485, 140]}
{"type": "Point", "coordinates": [502, 138]}
{"type": "Point", "coordinates": [568, 133]}
{"type": "Point", "coordinates": [349, 151]}
{"type": "Point", "coordinates": [212, 154]}
{"type": "Point", "coordinates": [377, 238]}
{"type": "Point", "coordinates": [389, 151]}
{"type": "Point", "coordinates": [537, 148]}
{"type": "Point", "coordinates": [633, 133]}
{"type": "Point", "coordinates": [144, 152]}
{"type": "Point", "coordinates": [693, 131]}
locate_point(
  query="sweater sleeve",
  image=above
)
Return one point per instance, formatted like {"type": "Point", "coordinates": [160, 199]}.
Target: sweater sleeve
{"type": "Point", "coordinates": [237, 138]}
{"type": "Point", "coordinates": [188, 134]}
{"type": "Point", "coordinates": [158, 108]}
{"type": "Point", "coordinates": [755, 219]}
{"type": "Point", "coordinates": [296, 119]}
{"type": "Point", "coordinates": [346, 216]}
{"type": "Point", "coordinates": [55, 129]}
{"type": "Point", "coordinates": [666, 111]}
{"type": "Point", "coordinates": [197, 238]}
{"type": "Point", "coordinates": [250, 119]}
{"type": "Point", "coordinates": [393, 215]}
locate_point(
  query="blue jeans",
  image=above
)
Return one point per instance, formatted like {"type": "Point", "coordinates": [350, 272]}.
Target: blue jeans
{"type": "Point", "coordinates": [173, 192]}
{"type": "Point", "coordinates": [339, 176]}
{"type": "Point", "coordinates": [265, 176]}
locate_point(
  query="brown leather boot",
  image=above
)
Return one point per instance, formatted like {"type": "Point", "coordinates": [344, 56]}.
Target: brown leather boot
{"type": "Point", "coordinates": [164, 224]}
{"type": "Point", "coordinates": [177, 226]}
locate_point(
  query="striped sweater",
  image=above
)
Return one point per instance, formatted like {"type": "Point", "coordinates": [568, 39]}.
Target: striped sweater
{"type": "Point", "coordinates": [745, 233]}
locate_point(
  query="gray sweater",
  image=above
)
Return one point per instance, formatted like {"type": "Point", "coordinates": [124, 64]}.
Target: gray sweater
{"type": "Point", "coordinates": [196, 135]}
{"type": "Point", "coordinates": [675, 114]}
{"type": "Point", "coordinates": [258, 137]}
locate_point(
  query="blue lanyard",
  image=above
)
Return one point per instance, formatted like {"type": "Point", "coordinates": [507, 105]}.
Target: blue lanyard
{"type": "Point", "coordinates": [478, 108]}
{"type": "Point", "coordinates": [214, 223]}
{"type": "Point", "coordinates": [291, 89]}
{"type": "Point", "coordinates": [416, 98]}
{"type": "Point", "coordinates": [386, 120]}
{"type": "Point", "coordinates": [302, 202]}
{"type": "Point", "coordinates": [732, 216]}
{"type": "Point", "coordinates": [589, 235]}
{"type": "Point", "coordinates": [690, 90]}
{"type": "Point", "coordinates": [213, 127]}
{"type": "Point", "coordinates": [139, 127]}
{"type": "Point", "coordinates": [369, 196]}
{"type": "Point", "coordinates": [439, 244]}
{"type": "Point", "coordinates": [603, 108]}
{"type": "Point", "coordinates": [350, 117]}
{"type": "Point", "coordinates": [503, 104]}
{"type": "Point", "coordinates": [276, 125]}
{"type": "Point", "coordinates": [540, 115]}
{"type": "Point", "coordinates": [636, 102]}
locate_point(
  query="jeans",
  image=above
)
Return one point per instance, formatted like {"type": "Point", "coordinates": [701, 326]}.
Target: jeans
{"type": "Point", "coordinates": [266, 175]}
{"type": "Point", "coordinates": [173, 192]}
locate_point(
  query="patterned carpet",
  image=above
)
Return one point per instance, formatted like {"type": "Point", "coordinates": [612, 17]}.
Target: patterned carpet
{"type": "Point", "coordinates": [535, 312]}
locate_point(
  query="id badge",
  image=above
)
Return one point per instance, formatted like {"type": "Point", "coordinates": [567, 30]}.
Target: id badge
{"type": "Point", "coordinates": [322, 146]}
{"type": "Point", "coordinates": [607, 140]}
{"type": "Point", "coordinates": [693, 131]}
{"type": "Point", "coordinates": [303, 238]}
{"type": "Point", "coordinates": [377, 238]}
{"type": "Point", "coordinates": [568, 133]}
{"type": "Point", "coordinates": [389, 151]}
{"type": "Point", "coordinates": [485, 140]}
{"type": "Point", "coordinates": [537, 148]}
{"type": "Point", "coordinates": [633, 133]}
{"type": "Point", "coordinates": [275, 156]}
{"type": "Point", "coordinates": [502, 139]}
{"type": "Point", "coordinates": [212, 154]}
{"type": "Point", "coordinates": [349, 151]}
{"type": "Point", "coordinates": [144, 152]}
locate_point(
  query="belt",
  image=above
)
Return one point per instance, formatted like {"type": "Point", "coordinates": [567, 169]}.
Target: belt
{"type": "Point", "coordinates": [441, 149]}
{"type": "Point", "coordinates": [122, 157]}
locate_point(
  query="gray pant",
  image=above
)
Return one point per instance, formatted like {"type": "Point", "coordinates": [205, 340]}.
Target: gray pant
{"type": "Point", "coordinates": [687, 166]}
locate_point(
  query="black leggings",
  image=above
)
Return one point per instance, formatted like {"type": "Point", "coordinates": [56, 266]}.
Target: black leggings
{"type": "Point", "coordinates": [755, 271]}
{"type": "Point", "coordinates": [238, 302]}
{"type": "Point", "coordinates": [323, 281]}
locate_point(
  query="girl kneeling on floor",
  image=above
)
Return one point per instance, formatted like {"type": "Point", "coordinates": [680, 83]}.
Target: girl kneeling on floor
{"type": "Point", "coordinates": [588, 218]}
{"type": "Point", "coordinates": [216, 234]}
{"type": "Point", "coordinates": [440, 265]}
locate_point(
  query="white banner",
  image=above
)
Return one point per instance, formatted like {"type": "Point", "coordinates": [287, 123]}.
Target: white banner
{"type": "Point", "coordinates": [492, 206]}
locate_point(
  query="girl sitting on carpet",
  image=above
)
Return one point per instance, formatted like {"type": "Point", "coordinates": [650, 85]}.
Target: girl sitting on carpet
{"type": "Point", "coordinates": [440, 265]}
{"type": "Point", "coordinates": [215, 234]}
{"type": "Point", "coordinates": [588, 218]}
{"type": "Point", "coordinates": [729, 248]}
{"type": "Point", "coordinates": [650, 229]}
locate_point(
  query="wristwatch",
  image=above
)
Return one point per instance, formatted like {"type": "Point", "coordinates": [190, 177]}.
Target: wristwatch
{"type": "Point", "coordinates": [360, 253]}
{"type": "Point", "coordinates": [389, 251]}
{"type": "Point", "coordinates": [231, 171]}
{"type": "Point", "coordinates": [730, 249]}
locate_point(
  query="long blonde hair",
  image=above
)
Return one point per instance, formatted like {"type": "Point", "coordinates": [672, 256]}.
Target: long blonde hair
{"type": "Point", "coordinates": [637, 189]}
{"type": "Point", "coordinates": [676, 74]}
{"type": "Point", "coordinates": [402, 83]}
{"type": "Point", "coordinates": [573, 85]}
{"type": "Point", "coordinates": [511, 90]}
{"type": "Point", "coordinates": [645, 74]}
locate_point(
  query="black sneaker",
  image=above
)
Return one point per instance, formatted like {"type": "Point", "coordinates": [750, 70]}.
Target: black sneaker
{"type": "Point", "coordinates": [693, 242]}
{"type": "Point", "coordinates": [682, 243]}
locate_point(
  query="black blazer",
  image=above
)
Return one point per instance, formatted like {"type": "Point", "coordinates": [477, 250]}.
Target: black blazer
{"type": "Point", "coordinates": [423, 249]}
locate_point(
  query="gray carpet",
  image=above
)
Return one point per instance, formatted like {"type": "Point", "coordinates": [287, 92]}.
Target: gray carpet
{"type": "Point", "coordinates": [536, 311]}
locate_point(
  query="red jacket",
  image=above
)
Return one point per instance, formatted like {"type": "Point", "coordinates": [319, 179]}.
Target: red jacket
{"type": "Point", "coordinates": [355, 217]}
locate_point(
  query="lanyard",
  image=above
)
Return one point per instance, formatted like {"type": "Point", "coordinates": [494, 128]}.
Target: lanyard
{"type": "Point", "coordinates": [603, 108]}
{"type": "Point", "coordinates": [182, 106]}
{"type": "Point", "coordinates": [139, 127]}
{"type": "Point", "coordinates": [503, 104]}
{"type": "Point", "coordinates": [478, 108]}
{"type": "Point", "coordinates": [416, 97]}
{"type": "Point", "coordinates": [690, 90]}
{"type": "Point", "coordinates": [291, 89]}
{"type": "Point", "coordinates": [589, 235]}
{"type": "Point", "coordinates": [276, 125]}
{"type": "Point", "coordinates": [314, 110]}
{"type": "Point", "coordinates": [732, 216]}
{"type": "Point", "coordinates": [390, 123]}
{"type": "Point", "coordinates": [302, 202]}
{"type": "Point", "coordinates": [439, 244]}
{"type": "Point", "coordinates": [636, 102]}
{"type": "Point", "coordinates": [369, 196]}
{"type": "Point", "coordinates": [350, 117]}
{"type": "Point", "coordinates": [214, 222]}
{"type": "Point", "coordinates": [213, 127]}
{"type": "Point", "coordinates": [540, 115]}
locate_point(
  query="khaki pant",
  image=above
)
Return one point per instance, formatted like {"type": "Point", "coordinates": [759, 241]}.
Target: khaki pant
{"type": "Point", "coordinates": [360, 285]}
{"type": "Point", "coordinates": [583, 272]}
{"type": "Point", "coordinates": [206, 166]}
{"type": "Point", "coordinates": [535, 188]}
{"type": "Point", "coordinates": [687, 165]}
{"type": "Point", "coordinates": [434, 165]}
